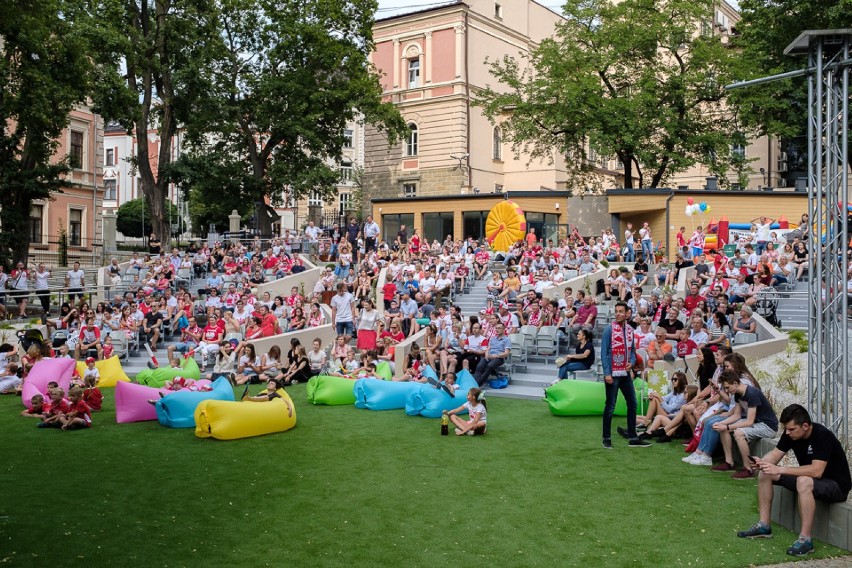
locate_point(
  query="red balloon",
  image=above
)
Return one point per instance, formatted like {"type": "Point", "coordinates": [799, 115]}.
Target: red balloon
{"type": "Point", "coordinates": [690, 200]}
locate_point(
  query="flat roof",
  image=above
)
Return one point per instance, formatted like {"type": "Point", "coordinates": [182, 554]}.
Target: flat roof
{"type": "Point", "coordinates": [803, 43]}
{"type": "Point", "coordinates": [416, 12]}
{"type": "Point", "coordinates": [667, 191]}
{"type": "Point", "coordinates": [501, 195]}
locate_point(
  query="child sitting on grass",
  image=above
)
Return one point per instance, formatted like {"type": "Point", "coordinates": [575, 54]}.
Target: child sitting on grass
{"type": "Point", "coordinates": [10, 380]}
{"type": "Point", "coordinates": [38, 408]}
{"type": "Point", "coordinates": [52, 417]}
{"type": "Point", "coordinates": [79, 415]}
{"type": "Point", "coordinates": [92, 394]}
{"type": "Point", "coordinates": [477, 412]}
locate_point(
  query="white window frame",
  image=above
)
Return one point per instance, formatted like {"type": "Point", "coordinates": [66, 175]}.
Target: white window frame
{"type": "Point", "coordinates": [409, 189]}
{"type": "Point", "coordinates": [412, 141]}
{"type": "Point", "coordinates": [314, 198]}
{"type": "Point", "coordinates": [41, 218]}
{"type": "Point", "coordinates": [738, 150]}
{"type": "Point", "coordinates": [344, 202]}
{"type": "Point", "coordinates": [114, 183]}
{"type": "Point", "coordinates": [414, 72]}
{"type": "Point", "coordinates": [348, 138]}
{"type": "Point", "coordinates": [82, 211]}
{"type": "Point", "coordinates": [109, 157]}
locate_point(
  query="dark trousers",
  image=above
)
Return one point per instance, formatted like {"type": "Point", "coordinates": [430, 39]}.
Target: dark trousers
{"type": "Point", "coordinates": [488, 366]}
{"type": "Point", "coordinates": [44, 298]}
{"type": "Point", "coordinates": [625, 385]}
{"type": "Point", "coordinates": [369, 243]}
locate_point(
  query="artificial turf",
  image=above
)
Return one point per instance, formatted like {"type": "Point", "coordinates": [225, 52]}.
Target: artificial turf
{"type": "Point", "coordinates": [351, 487]}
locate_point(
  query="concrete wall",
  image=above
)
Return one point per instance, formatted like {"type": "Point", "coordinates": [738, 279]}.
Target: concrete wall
{"type": "Point", "coordinates": [770, 341]}
{"type": "Point", "coordinates": [326, 333]}
{"type": "Point", "coordinates": [578, 283]}
{"type": "Point", "coordinates": [282, 286]}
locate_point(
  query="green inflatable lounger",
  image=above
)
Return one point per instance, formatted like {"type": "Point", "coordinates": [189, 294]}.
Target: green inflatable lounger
{"type": "Point", "coordinates": [333, 391]}
{"type": "Point", "coordinates": [161, 375]}
{"type": "Point", "coordinates": [571, 397]}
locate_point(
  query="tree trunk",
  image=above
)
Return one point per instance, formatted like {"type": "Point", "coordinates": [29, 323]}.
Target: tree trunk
{"type": "Point", "coordinates": [14, 218]}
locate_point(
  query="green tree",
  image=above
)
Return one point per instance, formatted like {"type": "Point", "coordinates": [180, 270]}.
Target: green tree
{"type": "Point", "coordinates": [636, 79]}
{"type": "Point", "coordinates": [150, 77]}
{"type": "Point", "coordinates": [767, 27]}
{"type": "Point", "coordinates": [211, 185]}
{"type": "Point", "coordinates": [134, 218]}
{"type": "Point", "coordinates": [287, 77]}
{"type": "Point", "coordinates": [44, 73]}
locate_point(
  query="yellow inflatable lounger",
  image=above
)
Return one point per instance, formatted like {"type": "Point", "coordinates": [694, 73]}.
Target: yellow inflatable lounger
{"type": "Point", "coordinates": [109, 369]}
{"type": "Point", "coordinates": [227, 420]}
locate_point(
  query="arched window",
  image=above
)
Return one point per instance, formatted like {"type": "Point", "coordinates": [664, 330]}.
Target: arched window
{"type": "Point", "coordinates": [497, 151]}
{"type": "Point", "coordinates": [412, 141]}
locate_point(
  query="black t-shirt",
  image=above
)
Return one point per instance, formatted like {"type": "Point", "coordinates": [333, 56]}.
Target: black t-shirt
{"type": "Point", "coordinates": [352, 232]}
{"type": "Point", "coordinates": [701, 270]}
{"type": "Point", "coordinates": [821, 445]}
{"type": "Point", "coordinates": [682, 264]}
{"type": "Point", "coordinates": [640, 267]}
{"type": "Point", "coordinates": [152, 317]}
{"type": "Point", "coordinates": [755, 398]}
{"type": "Point", "coordinates": [588, 361]}
{"type": "Point", "coordinates": [671, 327]}
{"type": "Point", "coordinates": [403, 237]}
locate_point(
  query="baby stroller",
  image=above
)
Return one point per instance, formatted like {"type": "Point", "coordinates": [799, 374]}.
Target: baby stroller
{"type": "Point", "coordinates": [30, 337]}
{"type": "Point", "coordinates": [766, 306]}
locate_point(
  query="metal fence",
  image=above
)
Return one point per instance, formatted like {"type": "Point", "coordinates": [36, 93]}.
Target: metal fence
{"type": "Point", "coordinates": [57, 251]}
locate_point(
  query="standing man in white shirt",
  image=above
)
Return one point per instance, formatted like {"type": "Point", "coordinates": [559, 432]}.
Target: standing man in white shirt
{"type": "Point", "coordinates": [75, 281]}
{"type": "Point", "coordinates": [647, 243]}
{"type": "Point", "coordinates": [343, 312]}
{"type": "Point", "coordinates": [312, 234]}
{"type": "Point", "coordinates": [41, 287]}
{"type": "Point", "coordinates": [629, 240]}
{"type": "Point", "coordinates": [762, 235]}
{"type": "Point", "coordinates": [371, 233]}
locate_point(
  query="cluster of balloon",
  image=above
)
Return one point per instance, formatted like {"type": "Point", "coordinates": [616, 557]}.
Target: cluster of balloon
{"type": "Point", "coordinates": [693, 208]}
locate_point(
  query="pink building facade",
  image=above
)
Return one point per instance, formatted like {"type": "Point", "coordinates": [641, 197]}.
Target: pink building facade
{"type": "Point", "coordinates": [432, 62]}
{"type": "Point", "coordinates": [77, 208]}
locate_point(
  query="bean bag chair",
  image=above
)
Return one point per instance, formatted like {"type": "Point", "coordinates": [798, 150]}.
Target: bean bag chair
{"type": "Point", "coordinates": [431, 402]}
{"type": "Point", "coordinates": [383, 371]}
{"type": "Point", "coordinates": [159, 376]}
{"type": "Point", "coordinates": [572, 397]}
{"type": "Point", "coordinates": [177, 410]}
{"type": "Point", "coordinates": [131, 402]}
{"type": "Point", "coordinates": [429, 373]}
{"type": "Point", "coordinates": [44, 371]}
{"type": "Point", "coordinates": [376, 394]}
{"type": "Point", "coordinates": [227, 420]}
{"type": "Point", "coordinates": [333, 391]}
{"type": "Point", "coordinates": [110, 370]}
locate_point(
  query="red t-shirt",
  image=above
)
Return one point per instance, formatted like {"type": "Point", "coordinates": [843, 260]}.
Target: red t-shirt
{"type": "Point", "coordinates": [93, 397]}
{"type": "Point", "coordinates": [398, 336]}
{"type": "Point", "coordinates": [81, 410]}
{"type": "Point", "coordinates": [389, 291]}
{"type": "Point", "coordinates": [685, 348]}
{"type": "Point", "coordinates": [45, 409]}
{"type": "Point", "coordinates": [89, 335]}
{"type": "Point", "coordinates": [60, 408]}
{"type": "Point", "coordinates": [210, 332]}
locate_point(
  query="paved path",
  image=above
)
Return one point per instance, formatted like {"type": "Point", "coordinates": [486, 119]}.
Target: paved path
{"type": "Point", "coordinates": [843, 562]}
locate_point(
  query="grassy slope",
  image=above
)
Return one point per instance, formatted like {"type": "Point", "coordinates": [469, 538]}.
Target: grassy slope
{"type": "Point", "coordinates": [355, 487]}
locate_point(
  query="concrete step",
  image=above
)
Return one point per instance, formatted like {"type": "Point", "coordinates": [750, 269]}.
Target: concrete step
{"type": "Point", "coordinates": [517, 392]}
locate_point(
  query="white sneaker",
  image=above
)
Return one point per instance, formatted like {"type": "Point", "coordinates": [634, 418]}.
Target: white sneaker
{"type": "Point", "coordinates": [702, 459]}
{"type": "Point", "coordinates": [688, 459]}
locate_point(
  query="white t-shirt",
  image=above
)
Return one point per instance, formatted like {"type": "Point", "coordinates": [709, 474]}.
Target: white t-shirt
{"type": "Point", "coordinates": [343, 305]}
{"type": "Point", "coordinates": [41, 279]}
{"type": "Point", "coordinates": [312, 233]}
{"type": "Point", "coordinates": [478, 409]}
{"type": "Point", "coordinates": [75, 278]}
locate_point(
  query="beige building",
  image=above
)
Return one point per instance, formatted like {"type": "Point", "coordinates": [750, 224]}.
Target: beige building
{"type": "Point", "coordinates": [431, 62]}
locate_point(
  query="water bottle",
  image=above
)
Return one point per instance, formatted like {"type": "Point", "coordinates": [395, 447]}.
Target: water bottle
{"type": "Point", "coordinates": [445, 424]}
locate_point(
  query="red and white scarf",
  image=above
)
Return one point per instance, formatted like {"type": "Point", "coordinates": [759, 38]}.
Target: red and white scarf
{"type": "Point", "coordinates": [621, 341]}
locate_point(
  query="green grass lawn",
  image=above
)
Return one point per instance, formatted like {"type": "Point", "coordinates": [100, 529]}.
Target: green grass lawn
{"type": "Point", "coordinates": [352, 487]}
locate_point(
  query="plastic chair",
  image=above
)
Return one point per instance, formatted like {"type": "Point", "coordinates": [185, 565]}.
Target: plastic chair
{"type": "Point", "coordinates": [546, 342]}
{"type": "Point", "coordinates": [529, 333]}
{"type": "Point", "coordinates": [119, 344]}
